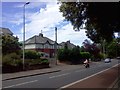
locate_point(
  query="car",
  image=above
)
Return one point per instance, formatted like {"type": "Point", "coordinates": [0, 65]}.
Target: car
{"type": "Point", "coordinates": [107, 60]}
{"type": "Point", "coordinates": [118, 57]}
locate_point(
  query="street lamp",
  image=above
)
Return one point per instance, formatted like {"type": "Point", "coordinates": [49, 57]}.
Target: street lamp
{"type": "Point", "coordinates": [24, 34]}
{"type": "Point", "coordinates": [56, 44]}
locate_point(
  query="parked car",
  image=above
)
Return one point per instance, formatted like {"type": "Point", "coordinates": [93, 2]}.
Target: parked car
{"type": "Point", "coordinates": [107, 60]}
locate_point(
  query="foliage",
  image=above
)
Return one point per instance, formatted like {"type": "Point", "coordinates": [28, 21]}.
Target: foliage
{"type": "Point", "coordinates": [100, 21]}
{"type": "Point", "coordinates": [14, 60]}
{"type": "Point", "coordinates": [60, 54]}
{"type": "Point", "coordinates": [91, 48]}
{"type": "Point", "coordinates": [36, 61]}
{"type": "Point", "coordinates": [10, 44]}
{"type": "Point", "coordinates": [113, 49]}
{"type": "Point", "coordinates": [85, 55]}
{"type": "Point", "coordinates": [75, 55]}
{"type": "Point", "coordinates": [11, 59]}
{"type": "Point", "coordinates": [64, 54]}
{"type": "Point", "coordinates": [44, 61]}
{"type": "Point", "coordinates": [29, 54]}
{"type": "Point", "coordinates": [70, 55]}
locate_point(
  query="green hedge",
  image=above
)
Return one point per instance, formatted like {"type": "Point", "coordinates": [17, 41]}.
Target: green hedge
{"type": "Point", "coordinates": [14, 60]}
{"type": "Point", "coordinates": [85, 55]}
{"type": "Point", "coordinates": [72, 55]}
{"type": "Point", "coordinates": [11, 59]}
{"type": "Point", "coordinates": [30, 54]}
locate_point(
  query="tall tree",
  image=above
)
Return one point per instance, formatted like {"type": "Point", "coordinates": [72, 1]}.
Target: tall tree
{"type": "Point", "coordinates": [10, 44]}
{"type": "Point", "coordinates": [100, 19]}
{"type": "Point", "coordinates": [113, 49]}
{"type": "Point", "coordinates": [91, 48]}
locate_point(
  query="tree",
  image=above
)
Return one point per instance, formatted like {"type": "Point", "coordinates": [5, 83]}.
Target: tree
{"type": "Point", "coordinates": [91, 48]}
{"type": "Point", "coordinates": [10, 44]}
{"type": "Point", "coordinates": [75, 55]}
{"type": "Point", "coordinates": [100, 19]}
{"type": "Point", "coordinates": [113, 49]}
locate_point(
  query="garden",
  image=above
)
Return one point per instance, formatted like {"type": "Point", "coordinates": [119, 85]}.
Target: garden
{"type": "Point", "coordinates": [14, 63]}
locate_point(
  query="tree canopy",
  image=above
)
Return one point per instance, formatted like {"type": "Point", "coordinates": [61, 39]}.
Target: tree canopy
{"type": "Point", "coordinates": [100, 19]}
{"type": "Point", "coordinates": [10, 44]}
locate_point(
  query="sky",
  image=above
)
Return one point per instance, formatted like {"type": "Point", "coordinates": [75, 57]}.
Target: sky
{"type": "Point", "coordinates": [40, 17]}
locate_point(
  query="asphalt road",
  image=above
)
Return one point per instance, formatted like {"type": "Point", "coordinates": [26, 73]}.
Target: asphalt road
{"type": "Point", "coordinates": [57, 79]}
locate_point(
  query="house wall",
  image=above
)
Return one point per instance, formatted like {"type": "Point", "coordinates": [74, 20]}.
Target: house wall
{"type": "Point", "coordinates": [30, 46]}
{"type": "Point", "coordinates": [47, 48]}
{"type": "Point", "coordinates": [41, 46]}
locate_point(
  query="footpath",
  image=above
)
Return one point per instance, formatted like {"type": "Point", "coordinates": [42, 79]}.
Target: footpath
{"type": "Point", "coordinates": [108, 78]}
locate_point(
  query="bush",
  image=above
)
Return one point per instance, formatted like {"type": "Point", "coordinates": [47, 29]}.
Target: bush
{"type": "Point", "coordinates": [85, 55]}
{"type": "Point", "coordinates": [75, 55]}
{"type": "Point", "coordinates": [99, 57]}
{"type": "Point", "coordinates": [68, 55]}
{"type": "Point", "coordinates": [29, 54]}
{"type": "Point", "coordinates": [60, 55]}
{"type": "Point", "coordinates": [44, 61]}
{"type": "Point", "coordinates": [29, 62]}
{"type": "Point", "coordinates": [64, 54]}
{"type": "Point", "coordinates": [11, 59]}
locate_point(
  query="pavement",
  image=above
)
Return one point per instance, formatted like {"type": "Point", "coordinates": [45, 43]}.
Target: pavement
{"type": "Point", "coordinates": [60, 67]}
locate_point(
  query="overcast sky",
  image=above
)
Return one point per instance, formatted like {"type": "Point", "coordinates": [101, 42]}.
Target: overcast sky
{"type": "Point", "coordinates": [39, 16]}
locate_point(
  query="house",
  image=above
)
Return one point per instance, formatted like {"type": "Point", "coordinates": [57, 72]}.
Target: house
{"type": "Point", "coordinates": [68, 43]}
{"type": "Point", "coordinates": [5, 31]}
{"type": "Point", "coordinates": [41, 44]}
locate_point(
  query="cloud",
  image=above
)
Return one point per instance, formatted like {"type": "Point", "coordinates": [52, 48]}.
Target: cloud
{"type": "Point", "coordinates": [13, 19]}
{"type": "Point", "coordinates": [46, 19]}
{"type": "Point", "coordinates": [29, 0]}
{"type": "Point", "coordinates": [31, 5]}
{"type": "Point", "coordinates": [67, 33]}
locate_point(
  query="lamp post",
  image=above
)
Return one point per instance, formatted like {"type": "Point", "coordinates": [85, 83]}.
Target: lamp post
{"type": "Point", "coordinates": [24, 34]}
{"type": "Point", "coordinates": [56, 44]}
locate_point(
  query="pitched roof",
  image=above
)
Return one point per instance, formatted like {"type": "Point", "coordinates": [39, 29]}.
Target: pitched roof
{"type": "Point", "coordinates": [39, 39]}
{"type": "Point", "coordinates": [70, 45]}
{"type": "Point", "coordinates": [5, 31]}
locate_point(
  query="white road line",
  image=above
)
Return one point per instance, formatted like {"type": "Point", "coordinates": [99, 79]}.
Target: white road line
{"type": "Point", "coordinates": [20, 84]}
{"type": "Point", "coordinates": [87, 77]}
{"type": "Point", "coordinates": [59, 75]}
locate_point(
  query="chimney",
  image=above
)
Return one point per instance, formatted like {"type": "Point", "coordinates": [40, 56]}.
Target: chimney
{"type": "Point", "coordinates": [41, 35]}
{"type": "Point", "coordinates": [68, 41]}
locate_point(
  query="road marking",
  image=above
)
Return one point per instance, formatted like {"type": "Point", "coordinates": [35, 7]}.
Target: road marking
{"type": "Point", "coordinates": [59, 75]}
{"type": "Point", "coordinates": [20, 84]}
{"type": "Point", "coordinates": [86, 78]}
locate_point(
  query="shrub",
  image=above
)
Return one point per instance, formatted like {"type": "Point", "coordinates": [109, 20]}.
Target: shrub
{"type": "Point", "coordinates": [75, 55]}
{"type": "Point", "coordinates": [85, 55]}
{"type": "Point", "coordinates": [36, 61]}
{"type": "Point", "coordinates": [69, 55]}
{"type": "Point", "coordinates": [64, 54]}
{"type": "Point", "coordinates": [60, 55]}
{"type": "Point", "coordinates": [29, 54]}
{"type": "Point", "coordinates": [44, 61]}
{"type": "Point", "coordinates": [99, 57]}
{"type": "Point", "coordinates": [11, 59]}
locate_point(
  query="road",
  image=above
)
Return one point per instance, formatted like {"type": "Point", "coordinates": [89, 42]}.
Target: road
{"type": "Point", "coordinates": [57, 79]}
